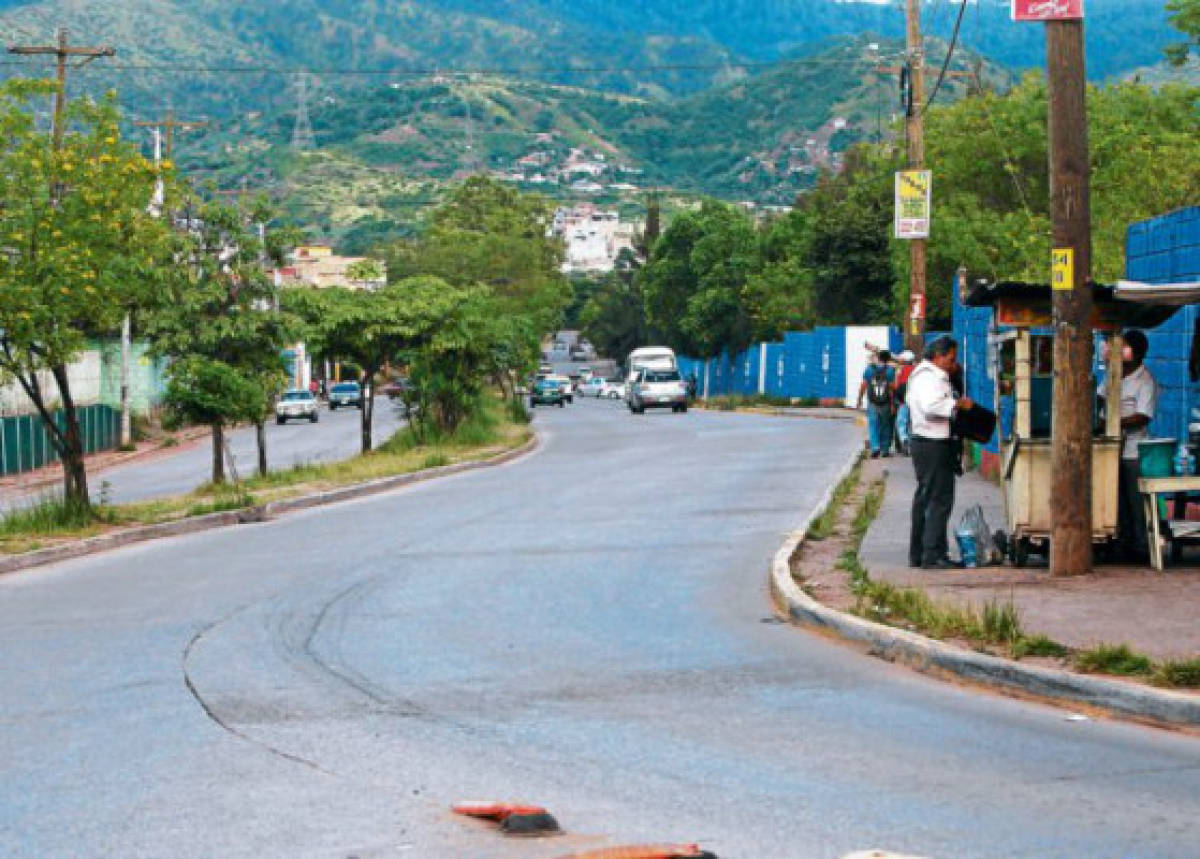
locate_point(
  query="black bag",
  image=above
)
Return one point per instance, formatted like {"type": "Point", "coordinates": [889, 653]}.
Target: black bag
{"type": "Point", "coordinates": [878, 393]}
{"type": "Point", "coordinates": [976, 423]}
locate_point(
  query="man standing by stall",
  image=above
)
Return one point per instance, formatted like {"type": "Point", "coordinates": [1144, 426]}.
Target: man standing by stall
{"type": "Point", "coordinates": [1139, 401]}
{"type": "Point", "coordinates": [932, 405]}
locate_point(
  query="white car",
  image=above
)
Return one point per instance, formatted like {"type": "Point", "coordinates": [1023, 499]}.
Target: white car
{"type": "Point", "coordinates": [296, 405]}
{"type": "Point", "coordinates": [611, 389]}
{"type": "Point", "coordinates": [591, 387]}
{"type": "Point", "coordinates": [657, 389]}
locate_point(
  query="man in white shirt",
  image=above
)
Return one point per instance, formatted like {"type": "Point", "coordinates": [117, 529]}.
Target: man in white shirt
{"type": "Point", "coordinates": [932, 405]}
{"type": "Point", "coordinates": [1139, 402]}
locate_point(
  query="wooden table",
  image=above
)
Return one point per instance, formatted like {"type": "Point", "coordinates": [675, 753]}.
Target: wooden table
{"type": "Point", "coordinates": [1154, 487]}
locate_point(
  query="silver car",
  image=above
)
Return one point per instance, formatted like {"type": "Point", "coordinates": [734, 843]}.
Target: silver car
{"type": "Point", "coordinates": [657, 389]}
{"type": "Point", "coordinates": [296, 405]}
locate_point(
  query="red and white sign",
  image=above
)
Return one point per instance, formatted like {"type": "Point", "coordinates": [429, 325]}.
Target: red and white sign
{"type": "Point", "coordinates": [1047, 10]}
{"type": "Point", "coordinates": [917, 305]}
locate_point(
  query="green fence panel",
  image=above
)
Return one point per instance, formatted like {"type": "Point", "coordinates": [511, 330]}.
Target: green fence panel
{"type": "Point", "coordinates": [25, 441]}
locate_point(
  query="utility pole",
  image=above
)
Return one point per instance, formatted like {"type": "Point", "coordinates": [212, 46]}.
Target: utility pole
{"type": "Point", "coordinates": [62, 52]}
{"type": "Point", "coordinates": [915, 128]}
{"type": "Point", "coordinates": [166, 126]}
{"type": "Point", "coordinates": [1070, 212]}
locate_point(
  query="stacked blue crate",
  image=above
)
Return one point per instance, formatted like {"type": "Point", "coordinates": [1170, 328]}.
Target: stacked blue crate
{"type": "Point", "coordinates": [1167, 250]}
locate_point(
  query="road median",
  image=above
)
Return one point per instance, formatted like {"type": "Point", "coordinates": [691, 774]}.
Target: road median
{"type": "Point", "coordinates": [191, 517]}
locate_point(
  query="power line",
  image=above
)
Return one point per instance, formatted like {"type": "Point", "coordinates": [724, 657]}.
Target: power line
{"type": "Point", "coordinates": [514, 71]}
{"type": "Point", "coordinates": [962, 9]}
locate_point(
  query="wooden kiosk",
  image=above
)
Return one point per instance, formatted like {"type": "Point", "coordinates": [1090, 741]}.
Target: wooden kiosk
{"type": "Point", "coordinates": [1026, 451]}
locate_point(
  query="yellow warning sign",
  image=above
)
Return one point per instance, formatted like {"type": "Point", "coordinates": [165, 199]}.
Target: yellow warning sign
{"type": "Point", "coordinates": [1062, 277]}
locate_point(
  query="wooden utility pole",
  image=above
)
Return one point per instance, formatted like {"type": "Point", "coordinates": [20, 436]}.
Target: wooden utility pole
{"type": "Point", "coordinates": [1070, 212]}
{"type": "Point", "coordinates": [63, 52]}
{"type": "Point", "coordinates": [168, 124]}
{"type": "Point", "coordinates": [915, 128]}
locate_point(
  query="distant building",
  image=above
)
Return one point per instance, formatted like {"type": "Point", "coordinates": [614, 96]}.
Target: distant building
{"type": "Point", "coordinates": [318, 267]}
{"type": "Point", "coordinates": [592, 238]}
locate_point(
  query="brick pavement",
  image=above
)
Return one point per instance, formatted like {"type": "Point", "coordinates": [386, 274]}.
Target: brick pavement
{"type": "Point", "coordinates": [1155, 613]}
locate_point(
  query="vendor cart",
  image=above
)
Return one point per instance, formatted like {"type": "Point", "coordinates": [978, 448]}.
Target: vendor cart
{"type": "Point", "coordinates": [1023, 373]}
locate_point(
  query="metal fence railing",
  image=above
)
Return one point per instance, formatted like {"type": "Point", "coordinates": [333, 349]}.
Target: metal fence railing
{"type": "Point", "coordinates": [25, 442]}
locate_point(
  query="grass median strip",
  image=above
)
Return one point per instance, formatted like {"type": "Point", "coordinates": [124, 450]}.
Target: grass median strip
{"type": "Point", "coordinates": [494, 430]}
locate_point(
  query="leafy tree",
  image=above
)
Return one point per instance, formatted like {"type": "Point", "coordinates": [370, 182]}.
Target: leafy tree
{"type": "Point", "coordinates": [991, 182]}
{"type": "Point", "coordinates": [373, 328]}
{"type": "Point", "coordinates": [487, 233]}
{"type": "Point", "coordinates": [364, 271]}
{"type": "Point", "coordinates": [614, 317]}
{"type": "Point", "coordinates": [223, 318]}
{"type": "Point", "coordinates": [78, 247]}
{"type": "Point", "coordinates": [1185, 16]}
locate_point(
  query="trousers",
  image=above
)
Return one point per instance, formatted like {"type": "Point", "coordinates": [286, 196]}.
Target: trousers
{"type": "Point", "coordinates": [879, 428]}
{"type": "Point", "coordinates": [903, 425]}
{"type": "Point", "coordinates": [933, 502]}
{"type": "Point", "coordinates": [1131, 518]}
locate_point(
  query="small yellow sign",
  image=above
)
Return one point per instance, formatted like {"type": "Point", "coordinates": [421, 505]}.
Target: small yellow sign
{"type": "Point", "coordinates": [1062, 276]}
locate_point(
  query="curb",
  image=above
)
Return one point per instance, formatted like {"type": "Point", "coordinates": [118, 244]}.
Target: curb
{"type": "Point", "coordinates": [929, 656]}
{"type": "Point", "coordinates": [261, 513]}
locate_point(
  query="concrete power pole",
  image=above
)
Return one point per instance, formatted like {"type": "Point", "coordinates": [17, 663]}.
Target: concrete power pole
{"type": "Point", "coordinates": [915, 127]}
{"type": "Point", "coordinates": [164, 134]}
{"type": "Point", "coordinates": [1070, 211]}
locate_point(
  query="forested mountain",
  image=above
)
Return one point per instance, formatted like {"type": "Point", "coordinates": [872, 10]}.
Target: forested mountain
{"type": "Point", "coordinates": [595, 43]}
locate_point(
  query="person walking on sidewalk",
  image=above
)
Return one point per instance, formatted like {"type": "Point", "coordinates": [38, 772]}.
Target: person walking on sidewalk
{"type": "Point", "coordinates": [932, 404]}
{"type": "Point", "coordinates": [903, 417]}
{"type": "Point", "coordinates": [879, 386]}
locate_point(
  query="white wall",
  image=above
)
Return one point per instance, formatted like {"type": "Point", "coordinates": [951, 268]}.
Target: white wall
{"type": "Point", "coordinates": [857, 356]}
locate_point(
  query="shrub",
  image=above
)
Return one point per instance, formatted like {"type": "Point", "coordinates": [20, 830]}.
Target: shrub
{"type": "Point", "coordinates": [1113, 659]}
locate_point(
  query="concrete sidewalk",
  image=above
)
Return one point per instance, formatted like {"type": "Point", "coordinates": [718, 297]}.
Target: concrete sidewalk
{"type": "Point", "coordinates": [1155, 613]}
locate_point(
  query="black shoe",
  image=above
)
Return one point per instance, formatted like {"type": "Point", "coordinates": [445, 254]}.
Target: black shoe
{"type": "Point", "coordinates": [943, 564]}
{"type": "Point", "coordinates": [874, 454]}
{"type": "Point", "coordinates": [887, 455]}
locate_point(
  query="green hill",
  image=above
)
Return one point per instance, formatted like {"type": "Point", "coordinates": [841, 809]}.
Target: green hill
{"type": "Point", "coordinates": [384, 150]}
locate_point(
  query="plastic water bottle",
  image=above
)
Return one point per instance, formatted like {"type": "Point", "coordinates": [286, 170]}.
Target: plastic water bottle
{"type": "Point", "coordinates": [967, 548]}
{"type": "Point", "coordinates": [1185, 461]}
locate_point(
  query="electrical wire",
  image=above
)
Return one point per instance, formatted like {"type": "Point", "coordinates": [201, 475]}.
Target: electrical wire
{"type": "Point", "coordinates": [962, 10]}
{"type": "Point", "coordinates": [513, 71]}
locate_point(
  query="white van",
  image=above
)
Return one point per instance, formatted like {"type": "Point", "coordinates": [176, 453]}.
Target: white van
{"type": "Point", "coordinates": [650, 358]}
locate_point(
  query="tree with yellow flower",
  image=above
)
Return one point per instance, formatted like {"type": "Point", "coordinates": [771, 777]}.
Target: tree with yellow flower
{"type": "Point", "coordinates": [77, 248]}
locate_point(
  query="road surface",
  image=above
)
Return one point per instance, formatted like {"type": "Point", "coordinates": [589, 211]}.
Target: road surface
{"type": "Point", "coordinates": [335, 436]}
{"type": "Point", "coordinates": [585, 628]}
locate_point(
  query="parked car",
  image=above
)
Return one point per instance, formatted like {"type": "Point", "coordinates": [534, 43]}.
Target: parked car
{"type": "Point", "coordinates": [547, 392]}
{"type": "Point", "coordinates": [657, 389]}
{"type": "Point", "coordinates": [345, 394]}
{"type": "Point", "coordinates": [593, 387]}
{"type": "Point", "coordinates": [567, 389]}
{"type": "Point", "coordinates": [296, 404]}
{"type": "Point", "coordinates": [612, 390]}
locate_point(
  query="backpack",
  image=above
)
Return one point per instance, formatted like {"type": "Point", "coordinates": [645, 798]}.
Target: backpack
{"type": "Point", "coordinates": [878, 393]}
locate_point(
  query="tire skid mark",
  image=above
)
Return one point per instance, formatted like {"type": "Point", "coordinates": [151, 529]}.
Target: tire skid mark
{"type": "Point", "coordinates": [216, 717]}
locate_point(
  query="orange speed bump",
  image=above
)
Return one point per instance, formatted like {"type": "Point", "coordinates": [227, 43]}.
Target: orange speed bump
{"type": "Point", "coordinates": [497, 811]}
{"type": "Point", "coordinates": [647, 851]}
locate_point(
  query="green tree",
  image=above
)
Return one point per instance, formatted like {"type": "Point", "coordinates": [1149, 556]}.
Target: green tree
{"type": "Point", "coordinates": [371, 328]}
{"type": "Point", "coordinates": [78, 247]}
{"type": "Point", "coordinates": [614, 317]}
{"type": "Point", "coordinates": [487, 233]}
{"type": "Point", "coordinates": [991, 182]}
{"type": "Point", "coordinates": [695, 282]}
{"type": "Point", "coordinates": [222, 317]}
{"type": "Point", "coordinates": [1185, 16]}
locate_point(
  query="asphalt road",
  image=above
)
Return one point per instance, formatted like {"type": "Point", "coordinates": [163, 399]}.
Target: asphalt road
{"type": "Point", "coordinates": [335, 436]}
{"type": "Point", "coordinates": [585, 628]}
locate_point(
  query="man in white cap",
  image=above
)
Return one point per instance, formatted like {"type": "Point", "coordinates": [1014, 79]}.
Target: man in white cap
{"type": "Point", "coordinates": [906, 360]}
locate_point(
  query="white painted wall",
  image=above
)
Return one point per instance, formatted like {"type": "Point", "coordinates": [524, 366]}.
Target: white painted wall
{"type": "Point", "coordinates": [857, 356]}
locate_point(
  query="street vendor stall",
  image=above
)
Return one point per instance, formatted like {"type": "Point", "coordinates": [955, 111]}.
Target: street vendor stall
{"type": "Point", "coordinates": [1023, 373]}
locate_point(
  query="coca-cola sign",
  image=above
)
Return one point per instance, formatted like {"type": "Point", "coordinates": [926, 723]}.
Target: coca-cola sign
{"type": "Point", "coordinates": [1047, 10]}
